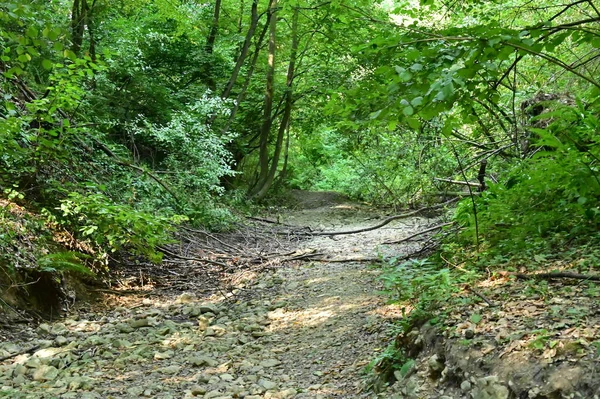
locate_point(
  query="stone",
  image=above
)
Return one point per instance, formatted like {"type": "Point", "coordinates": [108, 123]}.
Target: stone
{"type": "Point", "coordinates": [435, 363]}
{"type": "Point", "coordinates": [19, 370]}
{"type": "Point", "coordinates": [226, 377]}
{"type": "Point", "coordinates": [19, 380]}
{"type": "Point", "coordinates": [170, 369]}
{"type": "Point", "coordinates": [215, 331]}
{"type": "Point", "coordinates": [45, 373]}
{"type": "Point", "coordinates": [163, 355]}
{"type": "Point", "coordinates": [270, 363]}
{"type": "Point", "coordinates": [199, 361]}
{"type": "Point", "coordinates": [465, 386]}
{"type": "Point", "coordinates": [266, 384]}
{"type": "Point", "coordinates": [489, 388]}
{"type": "Point", "coordinates": [139, 323]}
{"type": "Point", "coordinates": [208, 308]}
{"type": "Point", "coordinates": [186, 297]}
{"type": "Point", "coordinates": [60, 341]}
{"type": "Point", "coordinates": [44, 328]}
{"type": "Point", "coordinates": [469, 334]}
{"type": "Point", "coordinates": [197, 390]}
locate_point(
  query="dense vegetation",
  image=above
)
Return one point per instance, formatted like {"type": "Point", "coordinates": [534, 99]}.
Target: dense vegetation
{"type": "Point", "coordinates": [120, 120]}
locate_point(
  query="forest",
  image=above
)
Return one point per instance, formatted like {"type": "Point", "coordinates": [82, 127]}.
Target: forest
{"type": "Point", "coordinates": [150, 136]}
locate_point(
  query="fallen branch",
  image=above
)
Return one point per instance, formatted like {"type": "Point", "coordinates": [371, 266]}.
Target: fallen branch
{"type": "Point", "coordinates": [193, 259]}
{"type": "Point", "coordinates": [480, 295]}
{"type": "Point", "coordinates": [121, 292]}
{"type": "Point", "coordinates": [461, 182]}
{"type": "Point", "coordinates": [410, 237]}
{"type": "Point", "coordinates": [378, 226]}
{"type": "Point", "coordinates": [345, 260]}
{"type": "Point", "coordinates": [268, 221]}
{"type": "Point", "coordinates": [552, 275]}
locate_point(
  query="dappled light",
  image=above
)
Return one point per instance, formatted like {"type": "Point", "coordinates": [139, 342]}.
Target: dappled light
{"type": "Point", "coordinates": [264, 199]}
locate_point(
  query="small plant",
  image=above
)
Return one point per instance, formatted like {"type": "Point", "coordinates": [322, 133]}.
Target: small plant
{"type": "Point", "coordinates": [64, 262]}
{"type": "Point", "coordinates": [418, 282]}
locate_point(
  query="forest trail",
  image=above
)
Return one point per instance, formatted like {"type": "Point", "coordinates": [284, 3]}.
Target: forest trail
{"type": "Point", "coordinates": [303, 330]}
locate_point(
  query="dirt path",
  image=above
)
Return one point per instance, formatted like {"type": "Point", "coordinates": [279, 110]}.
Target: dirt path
{"type": "Point", "coordinates": [306, 330]}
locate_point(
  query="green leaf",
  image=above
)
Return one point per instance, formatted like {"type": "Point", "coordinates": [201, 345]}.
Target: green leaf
{"type": "Point", "coordinates": [32, 32]}
{"type": "Point", "coordinates": [47, 64]}
{"type": "Point", "coordinates": [417, 101]}
{"type": "Point", "coordinates": [475, 318]}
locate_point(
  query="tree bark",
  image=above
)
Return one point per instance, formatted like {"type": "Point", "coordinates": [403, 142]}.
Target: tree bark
{"type": "Point", "coordinates": [244, 52]}
{"type": "Point", "coordinates": [268, 105]}
{"type": "Point", "coordinates": [249, 73]}
{"type": "Point", "coordinates": [285, 120]}
{"type": "Point", "coordinates": [78, 20]}
{"type": "Point", "coordinates": [209, 47]}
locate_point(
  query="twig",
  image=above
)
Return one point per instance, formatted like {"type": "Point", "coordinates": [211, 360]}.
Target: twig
{"type": "Point", "coordinates": [122, 292]}
{"type": "Point", "coordinates": [410, 237]}
{"type": "Point", "coordinates": [549, 276]}
{"type": "Point", "coordinates": [194, 259]}
{"type": "Point", "coordinates": [464, 183]}
{"type": "Point", "coordinates": [480, 295]}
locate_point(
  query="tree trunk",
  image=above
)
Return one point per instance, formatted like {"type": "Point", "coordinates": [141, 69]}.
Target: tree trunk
{"type": "Point", "coordinates": [268, 106]}
{"type": "Point", "coordinates": [244, 51]}
{"type": "Point", "coordinates": [78, 19]}
{"type": "Point", "coordinates": [265, 184]}
{"type": "Point", "coordinates": [249, 73]}
{"type": "Point", "coordinates": [209, 47]}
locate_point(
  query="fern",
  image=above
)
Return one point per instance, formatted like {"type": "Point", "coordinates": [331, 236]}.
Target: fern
{"type": "Point", "coordinates": [64, 261]}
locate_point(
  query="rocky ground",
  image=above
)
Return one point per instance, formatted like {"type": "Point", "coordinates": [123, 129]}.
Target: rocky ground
{"type": "Point", "coordinates": [302, 330]}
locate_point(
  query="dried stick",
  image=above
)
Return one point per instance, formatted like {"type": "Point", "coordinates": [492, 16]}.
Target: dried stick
{"type": "Point", "coordinates": [410, 237]}
{"type": "Point", "coordinates": [550, 276]}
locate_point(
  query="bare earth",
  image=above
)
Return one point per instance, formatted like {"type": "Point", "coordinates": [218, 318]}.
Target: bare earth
{"type": "Point", "coordinates": [303, 330]}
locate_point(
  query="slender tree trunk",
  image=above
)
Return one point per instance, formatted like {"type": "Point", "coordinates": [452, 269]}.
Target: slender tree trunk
{"type": "Point", "coordinates": [265, 129]}
{"type": "Point", "coordinates": [78, 19]}
{"type": "Point", "coordinates": [244, 52]}
{"type": "Point", "coordinates": [209, 47]}
{"type": "Point", "coordinates": [265, 184]}
{"type": "Point", "coordinates": [249, 73]}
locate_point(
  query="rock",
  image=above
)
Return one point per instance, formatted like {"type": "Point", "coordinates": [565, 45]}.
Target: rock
{"type": "Point", "coordinates": [465, 386]}
{"type": "Point", "coordinates": [19, 370]}
{"type": "Point", "coordinates": [266, 384]}
{"type": "Point", "coordinates": [197, 390]}
{"type": "Point", "coordinates": [60, 341]}
{"type": "Point", "coordinates": [59, 329]}
{"type": "Point", "coordinates": [19, 380]}
{"type": "Point", "coordinates": [469, 334]}
{"type": "Point", "coordinates": [163, 355]}
{"type": "Point", "coordinates": [45, 373]}
{"type": "Point", "coordinates": [435, 363]}
{"type": "Point", "coordinates": [199, 361]}
{"type": "Point", "coordinates": [212, 394]}
{"type": "Point", "coordinates": [139, 323]}
{"type": "Point", "coordinates": [203, 323]}
{"type": "Point", "coordinates": [489, 388]}
{"type": "Point", "coordinates": [44, 328]}
{"type": "Point", "coordinates": [215, 331]}
{"type": "Point", "coordinates": [270, 363]}
{"type": "Point", "coordinates": [170, 369]}
{"type": "Point", "coordinates": [186, 297]}
{"type": "Point", "coordinates": [208, 308]}
{"type": "Point", "coordinates": [226, 377]}
{"type": "Point", "coordinates": [124, 328]}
